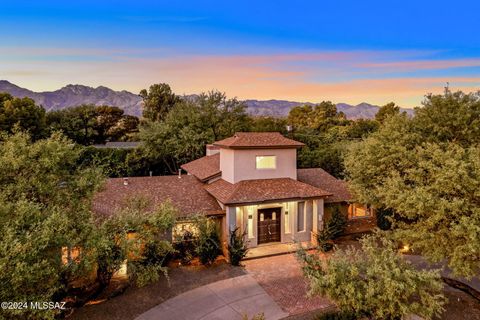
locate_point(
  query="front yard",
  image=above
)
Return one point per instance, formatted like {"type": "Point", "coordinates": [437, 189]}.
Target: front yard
{"type": "Point", "coordinates": [135, 301]}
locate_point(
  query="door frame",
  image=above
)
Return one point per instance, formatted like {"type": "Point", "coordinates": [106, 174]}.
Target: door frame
{"type": "Point", "coordinates": [278, 217]}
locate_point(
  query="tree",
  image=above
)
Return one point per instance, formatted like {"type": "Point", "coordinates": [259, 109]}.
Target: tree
{"type": "Point", "coordinates": [320, 117]}
{"type": "Point", "coordinates": [375, 281]}
{"type": "Point", "coordinates": [388, 110]}
{"type": "Point", "coordinates": [89, 124]}
{"type": "Point", "coordinates": [181, 137]}
{"type": "Point", "coordinates": [427, 171]}
{"type": "Point", "coordinates": [21, 113]}
{"type": "Point", "coordinates": [139, 234]}
{"type": "Point", "coordinates": [45, 202]}
{"type": "Point", "coordinates": [158, 101]}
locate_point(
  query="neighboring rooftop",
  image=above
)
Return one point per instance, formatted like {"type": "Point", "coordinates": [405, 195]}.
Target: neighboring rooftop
{"type": "Point", "coordinates": [321, 179]}
{"type": "Point", "coordinates": [262, 190]}
{"type": "Point", "coordinates": [119, 145]}
{"type": "Point", "coordinates": [204, 168]}
{"type": "Point", "coordinates": [186, 194]}
{"type": "Point", "coordinates": [245, 140]}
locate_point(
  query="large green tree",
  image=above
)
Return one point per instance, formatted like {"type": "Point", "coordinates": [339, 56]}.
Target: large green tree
{"type": "Point", "coordinates": [426, 169]}
{"type": "Point", "coordinates": [89, 124]}
{"type": "Point", "coordinates": [388, 110]}
{"type": "Point", "coordinates": [189, 126]}
{"type": "Point", "coordinates": [45, 204]}
{"type": "Point", "coordinates": [22, 113]}
{"type": "Point", "coordinates": [158, 101]}
{"type": "Point", "coordinates": [374, 281]}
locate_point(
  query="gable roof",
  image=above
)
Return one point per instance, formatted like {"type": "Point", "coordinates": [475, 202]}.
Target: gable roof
{"type": "Point", "coordinates": [186, 194]}
{"type": "Point", "coordinates": [262, 190]}
{"type": "Point", "coordinates": [204, 168]}
{"type": "Point", "coordinates": [321, 179]}
{"type": "Point", "coordinates": [259, 140]}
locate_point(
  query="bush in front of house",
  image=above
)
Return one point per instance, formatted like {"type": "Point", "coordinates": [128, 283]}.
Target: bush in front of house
{"type": "Point", "coordinates": [184, 246]}
{"type": "Point", "coordinates": [237, 246]}
{"type": "Point", "coordinates": [139, 236]}
{"type": "Point", "coordinates": [374, 281]}
{"type": "Point", "coordinates": [207, 244]}
{"type": "Point", "coordinates": [336, 315]}
{"type": "Point", "coordinates": [332, 229]}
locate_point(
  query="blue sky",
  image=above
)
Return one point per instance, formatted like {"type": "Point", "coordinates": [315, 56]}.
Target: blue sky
{"type": "Point", "coordinates": [345, 51]}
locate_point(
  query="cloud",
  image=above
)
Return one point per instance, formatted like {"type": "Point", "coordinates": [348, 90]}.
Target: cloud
{"type": "Point", "coordinates": [340, 76]}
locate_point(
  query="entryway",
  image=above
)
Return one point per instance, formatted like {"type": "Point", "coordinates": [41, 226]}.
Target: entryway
{"type": "Point", "coordinates": [269, 225]}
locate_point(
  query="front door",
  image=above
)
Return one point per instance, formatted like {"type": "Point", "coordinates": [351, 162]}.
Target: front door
{"type": "Point", "coordinates": [269, 225]}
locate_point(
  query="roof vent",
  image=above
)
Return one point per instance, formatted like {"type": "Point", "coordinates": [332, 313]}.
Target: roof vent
{"type": "Point", "coordinates": [125, 181]}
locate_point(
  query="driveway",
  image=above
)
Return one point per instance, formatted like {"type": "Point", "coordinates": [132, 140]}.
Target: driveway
{"type": "Point", "coordinates": [227, 299]}
{"type": "Point", "coordinates": [282, 278]}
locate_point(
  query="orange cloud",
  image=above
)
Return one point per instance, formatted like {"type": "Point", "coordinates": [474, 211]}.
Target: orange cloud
{"type": "Point", "coordinates": [339, 76]}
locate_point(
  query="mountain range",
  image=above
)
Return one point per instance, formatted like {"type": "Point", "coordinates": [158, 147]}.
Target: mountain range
{"type": "Point", "coordinates": [73, 95]}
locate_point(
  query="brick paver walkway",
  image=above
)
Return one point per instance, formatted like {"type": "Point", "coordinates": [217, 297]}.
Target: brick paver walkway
{"type": "Point", "coordinates": [282, 279]}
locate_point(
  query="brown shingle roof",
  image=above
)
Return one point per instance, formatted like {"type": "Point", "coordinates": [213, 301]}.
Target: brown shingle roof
{"type": "Point", "coordinates": [321, 179]}
{"type": "Point", "coordinates": [262, 190]}
{"type": "Point", "coordinates": [258, 140]}
{"type": "Point", "coordinates": [185, 193]}
{"type": "Point", "coordinates": [204, 168]}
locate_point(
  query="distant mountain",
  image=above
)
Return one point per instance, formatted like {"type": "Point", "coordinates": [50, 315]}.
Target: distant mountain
{"type": "Point", "coordinates": [282, 107]}
{"type": "Point", "coordinates": [74, 95]}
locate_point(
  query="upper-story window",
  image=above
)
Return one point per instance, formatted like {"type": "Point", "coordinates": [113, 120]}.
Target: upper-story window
{"type": "Point", "coordinates": [266, 162]}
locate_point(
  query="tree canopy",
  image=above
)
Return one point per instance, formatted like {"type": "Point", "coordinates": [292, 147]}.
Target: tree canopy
{"type": "Point", "coordinates": [388, 110]}
{"type": "Point", "coordinates": [22, 113]}
{"type": "Point", "coordinates": [89, 124]}
{"type": "Point", "coordinates": [44, 207]}
{"type": "Point", "coordinates": [158, 101]}
{"type": "Point", "coordinates": [374, 281]}
{"type": "Point", "coordinates": [189, 126]}
{"type": "Point", "coordinates": [427, 170]}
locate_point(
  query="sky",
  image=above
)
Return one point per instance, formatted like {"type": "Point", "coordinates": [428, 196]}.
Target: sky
{"type": "Point", "coordinates": [343, 51]}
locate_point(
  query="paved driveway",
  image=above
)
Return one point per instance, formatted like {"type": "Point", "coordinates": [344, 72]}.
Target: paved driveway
{"type": "Point", "coordinates": [282, 279]}
{"type": "Point", "coordinates": [226, 299]}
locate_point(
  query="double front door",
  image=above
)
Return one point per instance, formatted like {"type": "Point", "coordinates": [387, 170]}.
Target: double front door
{"type": "Point", "coordinates": [269, 225]}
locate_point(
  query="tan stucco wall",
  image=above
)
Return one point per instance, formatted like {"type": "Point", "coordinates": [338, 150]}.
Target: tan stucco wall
{"type": "Point", "coordinates": [237, 165]}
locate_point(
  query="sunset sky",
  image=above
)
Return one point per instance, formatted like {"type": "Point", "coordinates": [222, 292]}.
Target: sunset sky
{"type": "Point", "coordinates": [343, 51]}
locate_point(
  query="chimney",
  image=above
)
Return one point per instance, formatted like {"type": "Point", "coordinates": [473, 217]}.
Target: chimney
{"type": "Point", "coordinates": [211, 150]}
{"type": "Point", "coordinates": [125, 181]}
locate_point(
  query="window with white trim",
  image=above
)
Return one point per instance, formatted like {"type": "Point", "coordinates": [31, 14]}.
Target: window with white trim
{"type": "Point", "coordinates": [266, 162]}
{"type": "Point", "coordinates": [356, 210]}
{"type": "Point", "coordinates": [301, 219]}
{"type": "Point", "coordinates": [287, 217]}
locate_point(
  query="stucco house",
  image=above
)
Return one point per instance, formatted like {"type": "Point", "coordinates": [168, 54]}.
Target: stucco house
{"type": "Point", "coordinates": [250, 181]}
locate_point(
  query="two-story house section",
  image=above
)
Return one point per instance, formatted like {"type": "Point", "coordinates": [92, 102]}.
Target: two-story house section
{"type": "Point", "coordinates": [250, 181]}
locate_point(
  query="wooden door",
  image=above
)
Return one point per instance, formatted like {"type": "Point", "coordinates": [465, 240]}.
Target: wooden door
{"type": "Point", "coordinates": [269, 225]}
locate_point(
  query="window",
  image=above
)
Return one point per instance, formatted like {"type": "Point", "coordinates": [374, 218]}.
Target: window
{"type": "Point", "coordinates": [266, 162]}
{"type": "Point", "coordinates": [287, 217]}
{"type": "Point", "coordinates": [301, 216]}
{"type": "Point", "coordinates": [250, 221]}
{"type": "Point", "coordinates": [356, 210]}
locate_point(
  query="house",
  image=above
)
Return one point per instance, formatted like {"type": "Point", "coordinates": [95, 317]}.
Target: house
{"type": "Point", "coordinates": [250, 181]}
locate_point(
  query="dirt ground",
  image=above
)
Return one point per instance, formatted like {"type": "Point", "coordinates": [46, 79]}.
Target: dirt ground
{"type": "Point", "coordinates": [134, 301]}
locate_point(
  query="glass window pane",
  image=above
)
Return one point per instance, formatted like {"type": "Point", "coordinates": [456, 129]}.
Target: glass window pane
{"type": "Point", "coordinates": [301, 216]}
{"type": "Point", "coordinates": [266, 162]}
{"type": "Point", "coordinates": [287, 218]}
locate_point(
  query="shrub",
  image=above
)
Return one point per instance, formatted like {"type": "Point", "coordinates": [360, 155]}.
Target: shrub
{"type": "Point", "coordinates": [332, 229]}
{"type": "Point", "coordinates": [208, 241]}
{"type": "Point", "coordinates": [336, 315]}
{"type": "Point", "coordinates": [237, 247]}
{"type": "Point", "coordinates": [185, 247]}
{"type": "Point", "coordinates": [384, 217]}
{"type": "Point", "coordinates": [375, 281]}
